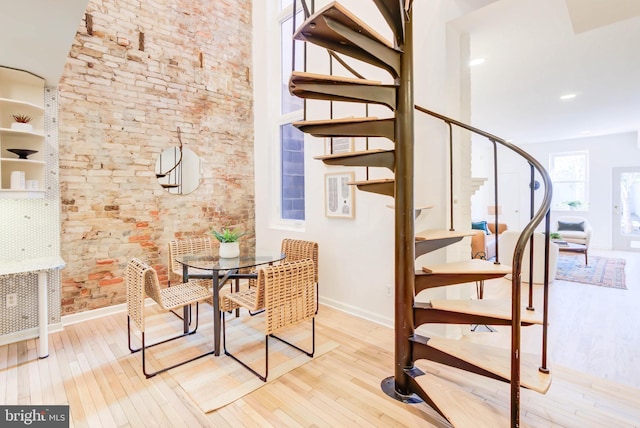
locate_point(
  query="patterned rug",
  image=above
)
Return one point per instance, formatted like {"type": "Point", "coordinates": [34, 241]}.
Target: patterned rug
{"type": "Point", "coordinates": [602, 271]}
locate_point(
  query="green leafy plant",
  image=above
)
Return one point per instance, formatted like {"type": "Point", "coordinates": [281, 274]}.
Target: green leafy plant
{"type": "Point", "coordinates": [574, 204]}
{"type": "Point", "coordinates": [555, 235]}
{"type": "Point", "coordinates": [227, 234]}
{"type": "Point", "coordinates": [21, 118]}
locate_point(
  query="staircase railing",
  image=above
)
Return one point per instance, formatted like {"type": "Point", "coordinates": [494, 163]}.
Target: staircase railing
{"type": "Point", "coordinates": [526, 236]}
{"type": "Point", "coordinates": [405, 173]}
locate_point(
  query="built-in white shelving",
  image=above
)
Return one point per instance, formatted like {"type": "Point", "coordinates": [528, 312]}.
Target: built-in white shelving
{"type": "Point", "coordinates": [21, 93]}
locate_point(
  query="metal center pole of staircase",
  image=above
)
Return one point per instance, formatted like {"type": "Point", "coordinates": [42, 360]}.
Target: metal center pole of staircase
{"type": "Point", "coordinates": [404, 217]}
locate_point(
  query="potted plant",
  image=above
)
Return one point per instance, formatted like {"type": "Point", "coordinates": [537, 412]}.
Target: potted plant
{"type": "Point", "coordinates": [574, 204]}
{"type": "Point", "coordinates": [21, 122]}
{"type": "Point", "coordinates": [228, 237]}
{"type": "Point", "coordinates": [555, 235]}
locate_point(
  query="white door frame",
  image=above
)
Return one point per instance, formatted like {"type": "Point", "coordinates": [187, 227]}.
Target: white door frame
{"type": "Point", "coordinates": [625, 229]}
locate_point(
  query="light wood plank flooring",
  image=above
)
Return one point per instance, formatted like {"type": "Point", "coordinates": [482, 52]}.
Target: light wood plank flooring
{"type": "Point", "coordinates": [90, 368]}
{"type": "Point", "coordinates": [592, 329]}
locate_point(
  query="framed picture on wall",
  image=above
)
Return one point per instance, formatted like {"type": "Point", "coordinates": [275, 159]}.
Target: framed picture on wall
{"type": "Point", "coordinates": [339, 196]}
{"type": "Point", "coordinates": [340, 145]}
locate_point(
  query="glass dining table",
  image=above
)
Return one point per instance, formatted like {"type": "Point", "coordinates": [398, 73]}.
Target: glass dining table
{"type": "Point", "coordinates": [220, 270]}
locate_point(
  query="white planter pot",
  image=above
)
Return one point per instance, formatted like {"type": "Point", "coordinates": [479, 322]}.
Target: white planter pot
{"type": "Point", "coordinates": [19, 126]}
{"type": "Point", "coordinates": [229, 250]}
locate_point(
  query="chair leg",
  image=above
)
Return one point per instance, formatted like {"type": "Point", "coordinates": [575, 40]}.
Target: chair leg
{"type": "Point", "coordinates": [237, 289]}
{"type": "Point", "coordinates": [145, 346]}
{"type": "Point", "coordinates": [186, 312]}
{"type": "Point", "coordinates": [129, 335]}
{"type": "Point", "coordinates": [313, 340]}
{"type": "Point", "coordinates": [266, 347]}
{"type": "Point", "coordinates": [166, 340]}
{"type": "Point", "coordinates": [246, 366]}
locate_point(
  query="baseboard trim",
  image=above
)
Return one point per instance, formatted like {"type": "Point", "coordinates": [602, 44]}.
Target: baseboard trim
{"type": "Point", "coordinates": [358, 312]}
{"type": "Point", "coordinates": [30, 333]}
{"type": "Point", "coordinates": [93, 314]}
{"type": "Point", "coordinates": [121, 308]}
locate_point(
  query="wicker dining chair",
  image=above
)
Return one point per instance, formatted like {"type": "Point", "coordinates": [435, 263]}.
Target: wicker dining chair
{"type": "Point", "coordinates": [178, 247]}
{"type": "Point", "coordinates": [287, 293]}
{"type": "Point", "coordinates": [296, 249]}
{"type": "Point", "coordinates": [141, 281]}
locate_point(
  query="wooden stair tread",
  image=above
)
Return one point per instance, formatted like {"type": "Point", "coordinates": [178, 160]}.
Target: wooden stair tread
{"type": "Point", "coordinates": [377, 181]}
{"type": "Point", "coordinates": [383, 186]}
{"type": "Point", "coordinates": [335, 121]}
{"type": "Point", "coordinates": [496, 360]}
{"type": "Point", "coordinates": [349, 127]}
{"type": "Point", "coordinates": [460, 407]}
{"type": "Point", "coordinates": [471, 266]}
{"type": "Point", "coordinates": [350, 154]}
{"type": "Point", "coordinates": [338, 88]}
{"type": "Point", "coordinates": [339, 31]}
{"type": "Point", "coordinates": [437, 234]}
{"type": "Point", "coordinates": [338, 13]}
{"type": "Point", "coordinates": [301, 76]}
{"type": "Point", "coordinates": [419, 207]}
{"type": "Point", "coordinates": [495, 308]}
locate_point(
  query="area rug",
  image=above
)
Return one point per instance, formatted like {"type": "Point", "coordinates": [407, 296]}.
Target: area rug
{"type": "Point", "coordinates": [602, 271]}
{"type": "Point", "coordinates": [213, 382]}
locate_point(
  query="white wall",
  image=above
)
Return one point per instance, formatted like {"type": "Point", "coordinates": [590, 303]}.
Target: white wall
{"type": "Point", "coordinates": [605, 153]}
{"type": "Point", "coordinates": [356, 256]}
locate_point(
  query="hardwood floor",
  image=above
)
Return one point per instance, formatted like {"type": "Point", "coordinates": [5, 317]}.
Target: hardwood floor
{"type": "Point", "coordinates": [592, 329]}
{"type": "Point", "coordinates": [90, 368]}
{"type": "Point", "coordinates": [596, 329]}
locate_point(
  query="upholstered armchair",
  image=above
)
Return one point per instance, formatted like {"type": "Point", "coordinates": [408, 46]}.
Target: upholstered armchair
{"type": "Point", "coordinates": [573, 229]}
{"type": "Point", "coordinates": [483, 242]}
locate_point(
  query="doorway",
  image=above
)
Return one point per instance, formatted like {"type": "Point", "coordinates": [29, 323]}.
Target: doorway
{"type": "Point", "coordinates": [510, 184]}
{"type": "Point", "coordinates": [626, 209]}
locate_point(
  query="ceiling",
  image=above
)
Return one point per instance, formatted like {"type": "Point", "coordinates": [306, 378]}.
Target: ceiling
{"type": "Point", "coordinates": [537, 50]}
{"type": "Point", "coordinates": [36, 35]}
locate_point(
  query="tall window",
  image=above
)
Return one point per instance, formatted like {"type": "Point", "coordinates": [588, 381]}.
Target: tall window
{"type": "Point", "coordinates": [292, 159]}
{"type": "Point", "coordinates": [291, 140]}
{"type": "Point", "coordinates": [570, 176]}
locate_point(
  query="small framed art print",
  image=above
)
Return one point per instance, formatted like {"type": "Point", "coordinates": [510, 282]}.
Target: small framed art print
{"type": "Point", "coordinates": [339, 196]}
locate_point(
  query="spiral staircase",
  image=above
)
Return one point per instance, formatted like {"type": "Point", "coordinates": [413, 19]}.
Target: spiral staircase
{"type": "Point", "coordinates": [417, 357]}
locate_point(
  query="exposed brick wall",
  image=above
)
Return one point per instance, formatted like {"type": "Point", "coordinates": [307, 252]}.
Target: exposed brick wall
{"type": "Point", "coordinates": [136, 71]}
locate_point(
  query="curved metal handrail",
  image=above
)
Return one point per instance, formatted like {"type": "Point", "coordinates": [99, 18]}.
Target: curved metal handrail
{"type": "Point", "coordinates": [546, 202]}
{"type": "Point", "coordinates": [164, 174]}
{"type": "Point", "coordinates": [518, 254]}
{"type": "Point", "coordinates": [525, 236]}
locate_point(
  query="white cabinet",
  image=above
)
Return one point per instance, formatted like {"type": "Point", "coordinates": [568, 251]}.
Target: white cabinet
{"type": "Point", "coordinates": [22, 93]}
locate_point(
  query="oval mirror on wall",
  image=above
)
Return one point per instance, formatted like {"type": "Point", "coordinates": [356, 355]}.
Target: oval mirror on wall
{"type": "Point", "coordinates": [178, 169]}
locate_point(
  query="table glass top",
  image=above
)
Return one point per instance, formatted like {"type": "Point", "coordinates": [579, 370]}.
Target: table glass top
{"type": "Point", "coordinates": [209, 261]}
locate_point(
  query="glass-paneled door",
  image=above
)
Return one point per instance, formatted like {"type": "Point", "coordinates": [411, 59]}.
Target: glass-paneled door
{"type": "Point", "coordinates": [626, 209]}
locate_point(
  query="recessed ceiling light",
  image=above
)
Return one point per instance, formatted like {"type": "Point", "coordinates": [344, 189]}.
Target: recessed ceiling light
{"type": "Point", "coordinates": [476, 61]}
{"type": "Point", "coordinates": [568, 97]}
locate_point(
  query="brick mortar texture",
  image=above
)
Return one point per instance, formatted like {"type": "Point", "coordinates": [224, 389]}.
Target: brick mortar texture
{"type": "Point", "coordinates": [136, 71]}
